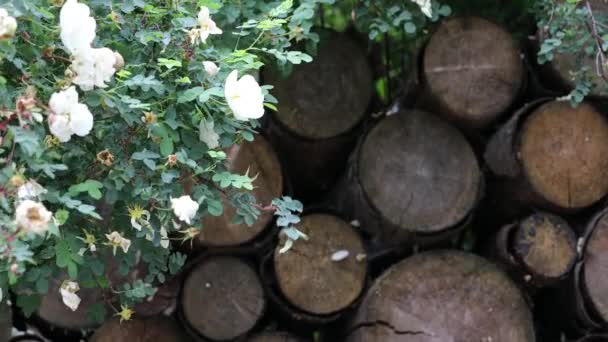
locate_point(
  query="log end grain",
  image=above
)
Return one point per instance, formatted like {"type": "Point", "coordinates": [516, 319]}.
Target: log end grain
{"type": "Point", "coordinates": [563, 153]}
{"type": "Point", "coordinates": [473, 68]}
{"type": "Point", "coordinates": [419, 172]}
{"type": "Point", "coordinates": [222, 298]}
{"type": "Point", "coordinates": [595, 277]}
{"type": "Point", "coordinates": [443, 296]}
{"type": "Point", "coordinates": [154, 329]}
{"type": "Point", "coordinates": [259, 159]}
{"type": "Point", "coordinates": [545, 245]}
{"type": "Point", "coordinates": [327, 97]}
{"type": "Point", "coordinates": [322, 275]}
{"type": "Point", "coordinates": [54, 312]}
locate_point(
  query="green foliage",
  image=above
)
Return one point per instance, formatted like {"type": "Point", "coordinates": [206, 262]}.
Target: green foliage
{"type": "Point", "coordinates": [575, 29]}
{"type": "Point", "coordinates": [120, 178]}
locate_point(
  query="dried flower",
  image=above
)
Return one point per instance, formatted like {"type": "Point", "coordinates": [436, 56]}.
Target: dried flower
{"type": "Point", "coordinates": [32, 217]}
{"type": "Point", "coordinates": [105, 157]}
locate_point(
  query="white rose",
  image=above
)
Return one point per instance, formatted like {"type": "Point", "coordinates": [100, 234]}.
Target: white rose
{"type": "Point", "coordinates": [68, 294]}
{"type": "Point", "coordinates": [244, 96]}
{"type": "Point", "coordinates": [210, 68]}
{"type": "Point", "coordinates": [68, 116]}
{"type": "Point", "coordinates": [32, 217]}
{"type": "Point", "coordinates": [184, 208]}
{"type": "Point", "coordinates": [8, 25]}
{"type": "Point", "coordinates": [30, 190]}
{"type": "Point", "coordinates": [59, 125]}
{"type": "Point", "coordinates": [207, 25]}
{"type": "Point", "coordinates": [77, 26]}
{"type": "Point", "coordinates": [93, 68]}
{"type": "Point", "coordinates": [81, 120]}
{"type": "Point", "coordinates": [61, 102]}
{"type": "Point", "coordinates": [425, 7]}
{"type": "Point", "coordinates": [117, 240]}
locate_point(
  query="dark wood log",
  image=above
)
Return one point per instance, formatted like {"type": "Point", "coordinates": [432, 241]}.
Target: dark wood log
{"type": "Point", "coordinates": [443, 295]}
{"type": "Point", "coordinates": [274, 337]}
{"type": "Point", "coordinates": [320, 104]}
{"type": "Point", "coordinates": [259, 159]}
{"type": "Point", "coordinates": [327, 273]}
{"type": "Point", "coordinates": [552, 153]}
{"type": "Point", "coordinates": [414, 179]}
{"type": "Point", "coordinates": [473, 70]}
{"type": "Point", "coordinates": [538, 251]}
{"type": "Point", "coordinates": [153, 329]}
{"type": "Point", "coordinates": [6, 321]}
{"type": "Point", "coordinates": [594, 338]}
{"type": "Point", "coordinates": [222, 298]}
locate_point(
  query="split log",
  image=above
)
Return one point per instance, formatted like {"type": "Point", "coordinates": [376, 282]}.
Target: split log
{"type": "Point", "coordinates": [414, 179]}
{"type": "Point", "coordinates": [473, 71]}
{"type": "Point", "coordinates": [153, 329]}
{"type": "Point", "coordinates": [538, 251]}
{"type": "Point", "coordinates": [327, 273]}
{"type": "Point", "coordinates": [274, 337]}
{"type": "Point", "coordinates": [222, 299]}
{"type": "Point", "coordinates": [557, 152]}
{"type": "Point", "coordinates": [320, 105]}
{"type": "Point", "coordinates": [259, 159]}
{"type": "Point", "coordinates": [443, 296]}
{"type": "Point", "coordinates": [594, 277]}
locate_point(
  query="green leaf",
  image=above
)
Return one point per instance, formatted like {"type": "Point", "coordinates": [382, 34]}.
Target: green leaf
{"type": "Point", "coordinates": [166, 146]}
{"type": "Point", "coordinates": [42, 285]}
{"type": "Point", "coordinates": [190, 94]}
{"type": "Point", "coordinates": [62, 216]}
{"type": "Point", "coordinates": [97, 312]}
{"type": "Point", "coordinates": [28, 304]}
{"type": "Point", "coordinates": [92, 187]}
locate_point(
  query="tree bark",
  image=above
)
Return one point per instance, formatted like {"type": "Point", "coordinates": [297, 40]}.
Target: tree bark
{"type": "Point", "coordinates": [153, 329]}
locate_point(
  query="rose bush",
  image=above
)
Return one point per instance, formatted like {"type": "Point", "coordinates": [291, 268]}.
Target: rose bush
{"type": "Point", "coordinates": [108, 108]}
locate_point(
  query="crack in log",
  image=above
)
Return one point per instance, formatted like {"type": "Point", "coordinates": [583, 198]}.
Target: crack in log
{"type": "Point", "coordinates": [389, 326]}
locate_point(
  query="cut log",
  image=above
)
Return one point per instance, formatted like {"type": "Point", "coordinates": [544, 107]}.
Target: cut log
{"type": "Point", "coordinates": [153, 329]}
{"type": "Point", "coordinates": [327, 273]}
{"type": "Point", "coordinates": [594, 276]}
{"type": "Point", "coordinates": [274, 337]}
{"type": "Point", "coordinates": [473, 69]}
{"type": "Point", "coordinates": [443, 296]}
{"type": "Point", "coordinates": [538, 251]}
{"type": "Point", "coordinates": [563, 154]}
{"type": "Point", "coordinates": [58, 316]}
{"type": "Point", "coordinates": [414, 178]}
{"type": "Point", "coordinates": [320, 104]}
{"type": "Point", "coordinates": [259, 159]}
{"type": "Point", "coordinates": [222, 298]}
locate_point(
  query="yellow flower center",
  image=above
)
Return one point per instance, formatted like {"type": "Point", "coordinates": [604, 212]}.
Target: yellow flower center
{"type": "Point", "coordinates": [136, 212]}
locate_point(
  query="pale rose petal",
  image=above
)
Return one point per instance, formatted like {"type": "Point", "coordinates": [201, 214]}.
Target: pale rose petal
{"type": "Point", "coordinates": [184, 208]}
{"type": "Point", "coordinates": [32, 217]}
{"type": "Point", "coordinates": [81, 120]}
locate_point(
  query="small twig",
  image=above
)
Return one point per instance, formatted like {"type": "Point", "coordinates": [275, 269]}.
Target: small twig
{"type": "Point", "coordinates": [600, 57]}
